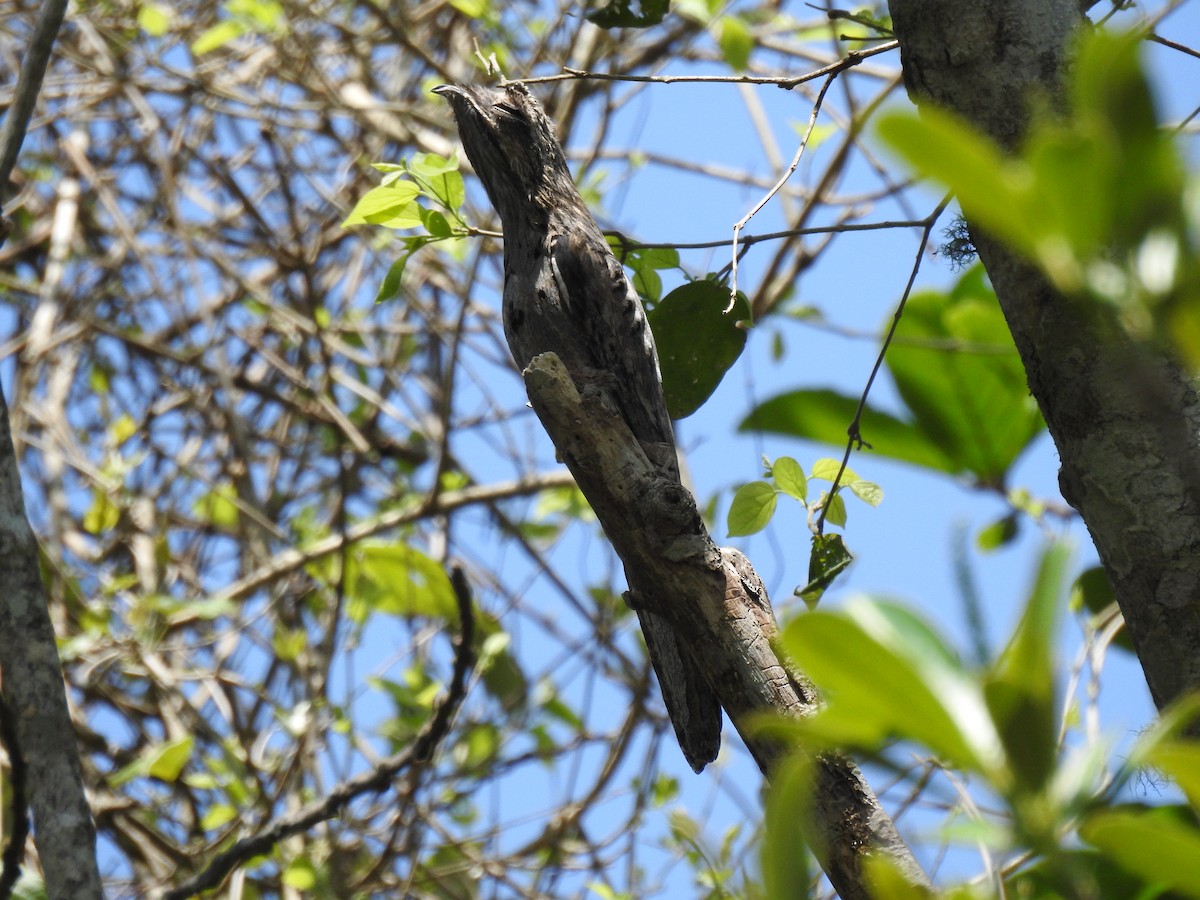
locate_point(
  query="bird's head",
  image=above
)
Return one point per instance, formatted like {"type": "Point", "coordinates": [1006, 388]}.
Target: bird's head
{"type": "Point", "coordinates": [512, 146]}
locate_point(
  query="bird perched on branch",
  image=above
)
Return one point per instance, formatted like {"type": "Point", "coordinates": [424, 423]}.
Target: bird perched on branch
{"type": "Point", "coordinates": [565, 292]}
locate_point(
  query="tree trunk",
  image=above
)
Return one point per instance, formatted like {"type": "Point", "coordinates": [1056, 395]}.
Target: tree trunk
{"type": "Point", "coordinates": [1125, 419]}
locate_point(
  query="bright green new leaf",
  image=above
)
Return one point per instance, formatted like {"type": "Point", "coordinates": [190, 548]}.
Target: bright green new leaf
{"type": "Point", "coordinates": [828, 469]}
{"type": "Point", "coordinates": [697, 342]}
{"type": "Point", "coordinates": [435, 223]}
{"type": "Point", "coordinates": [386, 205]}
{"type": "Point", "coordinates": [430, 165]}
{"type": "Point", "coordinates": [789, 478]}
{"type": "Point", "coordinates": [154, 19]}
{"type": "Point", "coordinates": [263, 15]}
{"type": "Point", "coordinates": [736, 42]}
{"type": "Point", "coordinates": [218, 36]}
{"type": "Point", "coordinates": [866, 491]}
{"type": "Point", "coordinates": [166, 761]}
{"type": "Point", "coordinates": [835, 509]}
{"type": "Point", "coordinates": [103, 515]}
{"type": "Point", "coordinates": [394, 579]}
{"type": "Point", "coordinates": [218, 815]}
{"type": "Point", "coordinates": [752, 507]}
{"type": "Point", "coordinates": [219, 507]}
{"type": "Point", "coordinates": [300, 874]}
{"type": "Point", "coordinates": [886, 880]}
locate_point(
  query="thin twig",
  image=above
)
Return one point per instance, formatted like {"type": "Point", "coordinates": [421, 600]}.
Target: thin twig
{"type": "Point", "coordinates": [851, 59]}
{"type": "Point", "coordinates": [378, 779]}
{"type": "Point", "coordinates": [775, 189]}
{"type": "Point", "coordinates": [855, 429]}
{"type": "Point", "coordinates": [29, 82]}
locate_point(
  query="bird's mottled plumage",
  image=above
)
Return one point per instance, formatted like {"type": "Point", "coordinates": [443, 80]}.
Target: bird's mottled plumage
{"type": "Point", "coordinates": [565, 292]}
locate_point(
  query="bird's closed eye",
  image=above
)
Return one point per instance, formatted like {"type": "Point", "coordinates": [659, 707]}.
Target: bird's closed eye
{"type": "Point", "coordinates": [508, 110]}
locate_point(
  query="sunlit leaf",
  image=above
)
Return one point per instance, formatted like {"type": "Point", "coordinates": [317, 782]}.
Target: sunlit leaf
{"type": "Point", "coordinates": [752, 507]}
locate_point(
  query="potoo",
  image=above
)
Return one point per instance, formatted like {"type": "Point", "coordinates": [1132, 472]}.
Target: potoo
{"type": "Point", "coordinates": [565, 292]}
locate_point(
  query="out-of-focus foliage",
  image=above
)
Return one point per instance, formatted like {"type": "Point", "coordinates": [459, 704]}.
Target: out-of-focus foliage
{"type": "Point", "coordinates": [1099, 197]}
{"type": "Point", "coordinates": [892, 684]}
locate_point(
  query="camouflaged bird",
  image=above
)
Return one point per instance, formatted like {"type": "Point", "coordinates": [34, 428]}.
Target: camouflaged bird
{"type": "Point", "coordinates": [565, 292]}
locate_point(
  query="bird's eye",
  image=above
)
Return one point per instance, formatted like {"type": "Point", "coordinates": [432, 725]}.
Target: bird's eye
{"type": "Point", "coordinates": [508, 110]}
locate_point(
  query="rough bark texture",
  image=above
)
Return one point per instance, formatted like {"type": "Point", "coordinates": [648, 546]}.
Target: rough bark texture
{"type": "Point", "coordinates": [1125, 420]}
{"type": "Point", "coordinates": [33, 687]}
{"type": "Point", "coordinates": [719, 610]}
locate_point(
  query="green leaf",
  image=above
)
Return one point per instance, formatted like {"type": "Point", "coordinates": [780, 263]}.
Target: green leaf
{"type": "Point", "coordinates": [1020, 688]}
{"type": "Point", "coordinates": [219, 507]}
{"type": "Point", "coordinates": [1092, 591]}
{"type": "Point", "coordinates": [823, 415]}
{"type": "Point", "coordinates": [1180, 760]}
{"type": "Point", "coordinates": [1153, 844]}
{"type": "Point", "coordinates": [154, 19]}
{"type": "Point", "coordinates": [431, 165]}
{"type": "Point", "coordinates": [657, 257]}
{"type": "Point", "coordinates": [828, 559]}
{"type": "Point", "coordinates": [992, 189]}
{"type": "Point", "coordinates": [435, 223]}
{"type": "Point", "coordinates": [647, 283]}
{"type": "Point", "coordinates": [866, 491]}
{"type": "Point", "coordinates": [387, 205]}
{"type": "Point", "coordinates": [103, 515]}
{"type": "Point", "coordinates": [736, 42]}
{"type": "Point", "coordinates": [300, 874]}
{"type": "Point", "coordinates": [752, 507]}
{"type": "Point", "coordinates": [390, 286]}
{"type": "Point", "coordinates": [789, 478]}
{"type": "Point", "coordinates": [1001, 532]}
{"type": "Point", "coordinates": [835, 509]}
{"type": "Point", "coordinates": [828, 469]}
{"type": "Point", "coordinates": [216, 816]}
{"type": "Point", "coordinates": [394, 579]}
{"type": "Point", "coordinates": [501, 673]}
{"type": "Point", "coordinates": [262, 15]}
{"type": "Point", "coordinates": [785, 864]}
{"type": "Point", "coordinates": [218, 36]}
{"type": "Point", "coordinates": [621, 13]}
{"type": "Point", "coordinates": [955, 367]}
{"type": "Point", "coordinates": [886, 674]}
{"type": "Point", "coordinates": [166, 761]}
{"type": "Point", "coordinates": [696, 341]}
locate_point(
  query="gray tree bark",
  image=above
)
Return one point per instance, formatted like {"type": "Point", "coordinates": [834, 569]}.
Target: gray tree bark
{"type": "Point", "coordinates": [1124, 417]}
{"type": "Point", "coordinates": [32, 683]}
